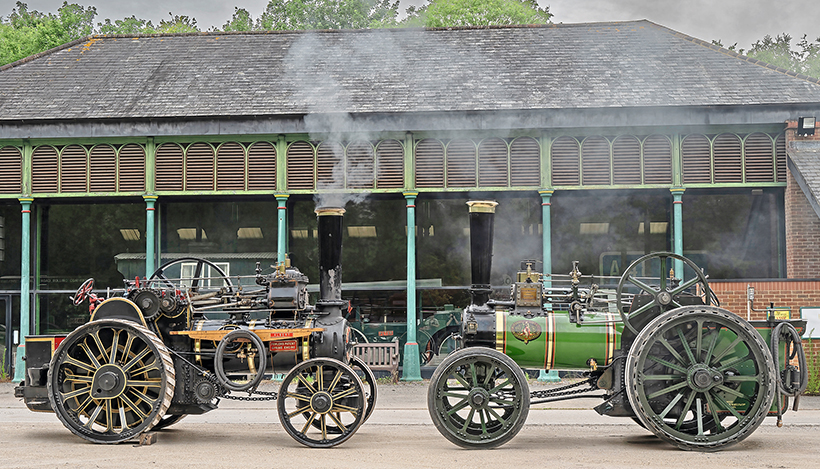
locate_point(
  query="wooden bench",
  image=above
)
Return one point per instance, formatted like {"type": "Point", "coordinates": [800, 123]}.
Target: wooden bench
{"type": "Point", "coordinates": [380, 356]}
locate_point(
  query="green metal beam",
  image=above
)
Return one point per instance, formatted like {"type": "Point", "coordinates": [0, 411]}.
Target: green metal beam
{"type": "Point", "coordinates": [551, 376]}
{"type": "Point", "coordinates": [411, 368]}
{"type": "Point", "coordinates": [677, 228]}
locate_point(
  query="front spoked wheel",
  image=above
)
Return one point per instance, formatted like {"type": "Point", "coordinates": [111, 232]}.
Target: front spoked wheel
{"type": "Point", "coordinates": [321, 402]}
{"type": "Point", "coordinates": [700, 377]}
{"type": "Point", "coordinates": [478, 398]}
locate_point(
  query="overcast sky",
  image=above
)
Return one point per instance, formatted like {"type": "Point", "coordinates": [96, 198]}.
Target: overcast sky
{"type": "Point", "coordinates": [731, 21]}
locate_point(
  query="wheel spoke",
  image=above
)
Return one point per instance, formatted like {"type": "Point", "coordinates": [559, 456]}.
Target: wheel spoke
{"type": "Point", "coordinates": [699, 413]}
{"type": "Point", "coordinates": [719, 356]}
{"type": "Point", "coordinates": [145, 383]}
{"type": "Point", "coordinates": [500, 386]}
{"type": "Point", "coordinates": [142, 397]}
{"type": "Point", "coordinates": [699, 341]}
{"type": "Point", "coordinates": [483, 422]}
{"type": "Point", "coordinates": [731, 391]}
{"type": "Point", "coordinates": [458, 407]}
{"type": "Point", "coordinates": [72, 378]}
{"type": "Point", "coordinates": [136, 359]}
{"type": "Point", "coordinates": [646, 288]}
{"type": "Point", "coordinates": [686, 348]}
{"type": "Point", "coordinates": [109, 417]}
{"type": "Point", "coordinates": [338, 423]}
{"type": "Point", "coordinates": [93, 417]}
{"type": "Point", "coordinates": [309, 422]}
{"type": "Point", "coordinates": [453, 394]}
{"type": "Point", "coordinates": [490, 410]}
{"type": "Point", "coordinates": [473, 374]}
{"type": "Point", "coordinates": [661, 377]}
{"type": "Point", "coordinates": [154, 366]}
{"type": "Point", "coordinates": [671, 405]}
{"type": "Point", "coordinates": [713, 411]}
{"type": "Point", "coordinates": [323, 419]}
{"type": "Point", "coordinates": [744, 378]}
{"type": "Point", "coordinates": [297, 396]}
{"type": "Point", "coordinates": [663, 273]}
{"type": "Point", "coordinates": [98, 342]}
{"type": "Point", "coordinates": [135, 408]}
{"type": "Point", "coordinates": [715, 335]}
{"type": "Point", "coordinates": [729, 407]}
{"type": "Point", "coordinates": [112, 359]}
{"type": "Point", "coordinates": [345, 393]}
{"type": "Point", "coordinates": [301, 410]}
{"type": "Point", "coordinates": [661, 361]}
{"type": "Point", "coordinates": [468, 420]}
{"type": "Point", "coordinates": [76, 393]}
{"type": "Point", "coordinates": [461, 380]}
{"type": "Point", "coordinates": [666, 390]}
{"type": "Point", "coordinates": [320, 377]}
{"type": "Point", "coordinates": [94, 362]}
{"type": "Point", "coordinates": [685, 285]}
{"type": "Point", "coordinates": [343, 408]}
{"type": "Point", "coordinates": [672, 350]}
{"type": "Point", "coordinates": [304, 381]}
{"type": "Point", "coordinates": [335, 381]}
{"type": "Point", "coordinates": [69, 360]}
{"type": "Point", "coordinates": [123, 420]}
{"type": "Point", "coordinates": [733, 362]}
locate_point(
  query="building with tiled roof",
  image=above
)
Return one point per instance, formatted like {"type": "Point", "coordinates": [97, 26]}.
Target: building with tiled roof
{"type": "Point", "coordinates": [602, 142]}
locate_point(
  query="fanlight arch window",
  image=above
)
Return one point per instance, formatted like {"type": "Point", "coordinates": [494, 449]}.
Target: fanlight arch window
{"type": "Point", "coordinates": [301, 161]}
{"type": "Point", "coordinates": [11, 170]}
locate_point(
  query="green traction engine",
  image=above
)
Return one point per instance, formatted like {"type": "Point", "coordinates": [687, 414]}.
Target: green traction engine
{"type": "Point", "coordinates": [655, 348]}
{"type": "Point", "coordinates": [176, 343]}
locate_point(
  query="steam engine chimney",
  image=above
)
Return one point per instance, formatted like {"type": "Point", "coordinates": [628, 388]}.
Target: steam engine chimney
{"type": "Point", "coordinates": [482, 213]}
{"type": "Point", "coordinates": [330, 257]}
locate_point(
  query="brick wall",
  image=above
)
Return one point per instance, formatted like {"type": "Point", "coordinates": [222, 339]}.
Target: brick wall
{"type": "Point", "coordinates": [802, 223]}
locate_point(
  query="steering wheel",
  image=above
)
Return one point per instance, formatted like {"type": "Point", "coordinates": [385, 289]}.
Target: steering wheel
{"type": "Point", "coordinates": [83, 292]}
{"type": "Point", "coordinates": [665, 296]}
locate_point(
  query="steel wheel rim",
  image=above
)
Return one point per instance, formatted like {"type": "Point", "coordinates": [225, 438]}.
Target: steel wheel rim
{"type": "Point", "coordinates": [478, 398]}
{"type": "Point", "coordinates": [110, 380]}
{"type": "Point", "coordinates": [685, 367]}
{"type": "Point", "coordinates": [321, 403]}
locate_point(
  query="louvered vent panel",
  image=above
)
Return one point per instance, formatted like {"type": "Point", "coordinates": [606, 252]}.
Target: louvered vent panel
{"type": "Point", "coordinates": [390, 158]}
{"type": "Point", "coordinates": [461, 163]}
{"type": "Point", "coordinates": [780, 152]}
{"type": "Point", "coordinates": [565, 162]}
{"type": "Point", "coordinates": [230, 167]}
{"type": "Point", "coordinates": [262, 167]}
{"type": "Point", "coordinates": [73, 169]}
{"type": "Point", "coordinates": [199, 167]}
{"type": "Point", "coordinates": [132, 168]}
{"type": "Point", "coordinates": [169, 167]}
{"type": "Point", "coordinates": [429, 163]}
{"type": "Point", "coordinates": [696, 155]}
{"type": "Point", "coordinates": [626, 161]}
{"type": "Point", "coordinates": [525, 162]}
{"type": "Point", "coordinates": [759, 159]}
{"type": "Point", "coordinates": [103, 169]}
{"type": "Point", "coordinates": [330, 166]}
{"type": "Point", "coordinates": [360, 164]}
{"type": "Point", "coordinates": [657, 160]}
{"type": "Point", "coordinates": [492, 163]}
{"type": "Point", "coordinates": [300, 166]}
{"type": "Point", "coordinates": [728, 159]}
{"type": "Point", "coordinates": [595, 161]}
{"type": "Point", "coordinates": [44, 169]}
{"type": "Point", "coordinates": [11, 171]}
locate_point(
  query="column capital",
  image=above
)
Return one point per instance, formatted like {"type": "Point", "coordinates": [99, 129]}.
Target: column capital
{"type": "Point", "coordinates": [281, 197]}
{"type": "Point", "coordinates": [26, 200]}
{"type": "Point", "coordinates": [410, 195]}
{"type": "Point", "coordinates": [546, 193]}
{"type": "Point", "coordinates": [150, 198]}
{"type": "Point", "coordinates": [677, 191]}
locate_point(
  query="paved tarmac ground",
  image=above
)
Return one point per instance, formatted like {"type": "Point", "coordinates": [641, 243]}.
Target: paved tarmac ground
{"type": "Point", "coordinates": [399, 434]}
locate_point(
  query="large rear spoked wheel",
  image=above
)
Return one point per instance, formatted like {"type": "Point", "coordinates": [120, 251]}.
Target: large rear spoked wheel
{"type": "Point", "coordinates": [111, 380]}
{"type": "Point", "coordinates": [700, 377]}
{"type": "Point", "coordinates": [321, 402]}
{"type": "Point", "coordinates": [478, 398]}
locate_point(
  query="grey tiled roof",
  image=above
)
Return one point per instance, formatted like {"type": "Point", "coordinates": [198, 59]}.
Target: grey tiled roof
{"type": "Point", "coordinates": [582, 66]}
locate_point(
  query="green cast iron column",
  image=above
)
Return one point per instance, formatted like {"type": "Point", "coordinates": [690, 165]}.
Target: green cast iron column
{"type": "Point", "coordinates": [677, 228]}
{"type": "Point", "coordinates": [552, 375]}
{"type": "Point", "coordinates": [282, 238]}
{"type": "Point", "coordinates": [150, 230]}
{"type": "Point", "coordinates": [25, 274]}
{"type": "Point", "coordinates": [411, 368]}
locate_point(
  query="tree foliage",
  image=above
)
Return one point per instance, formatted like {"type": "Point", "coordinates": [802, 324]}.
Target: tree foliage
{"type": "Point", "coordinates": [805, 58]}
{"type": "Point", "coordinates": [445, 13]}
{"type": "Point", "coordinates": [328, 14]}
{"type": "Point", "coordinates": [26, 32]}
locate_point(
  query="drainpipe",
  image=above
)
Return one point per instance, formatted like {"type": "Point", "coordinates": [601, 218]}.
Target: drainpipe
{"type": "Point", "coordinates": [25, 295]}
{"type": "Point", "coordinates": [411, 367]}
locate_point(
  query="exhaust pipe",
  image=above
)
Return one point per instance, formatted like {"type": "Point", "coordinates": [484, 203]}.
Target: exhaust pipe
{"type": "Point", "coordinates": [330, 259]}
{"type": "Point", "coordinates": [482, 215]}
